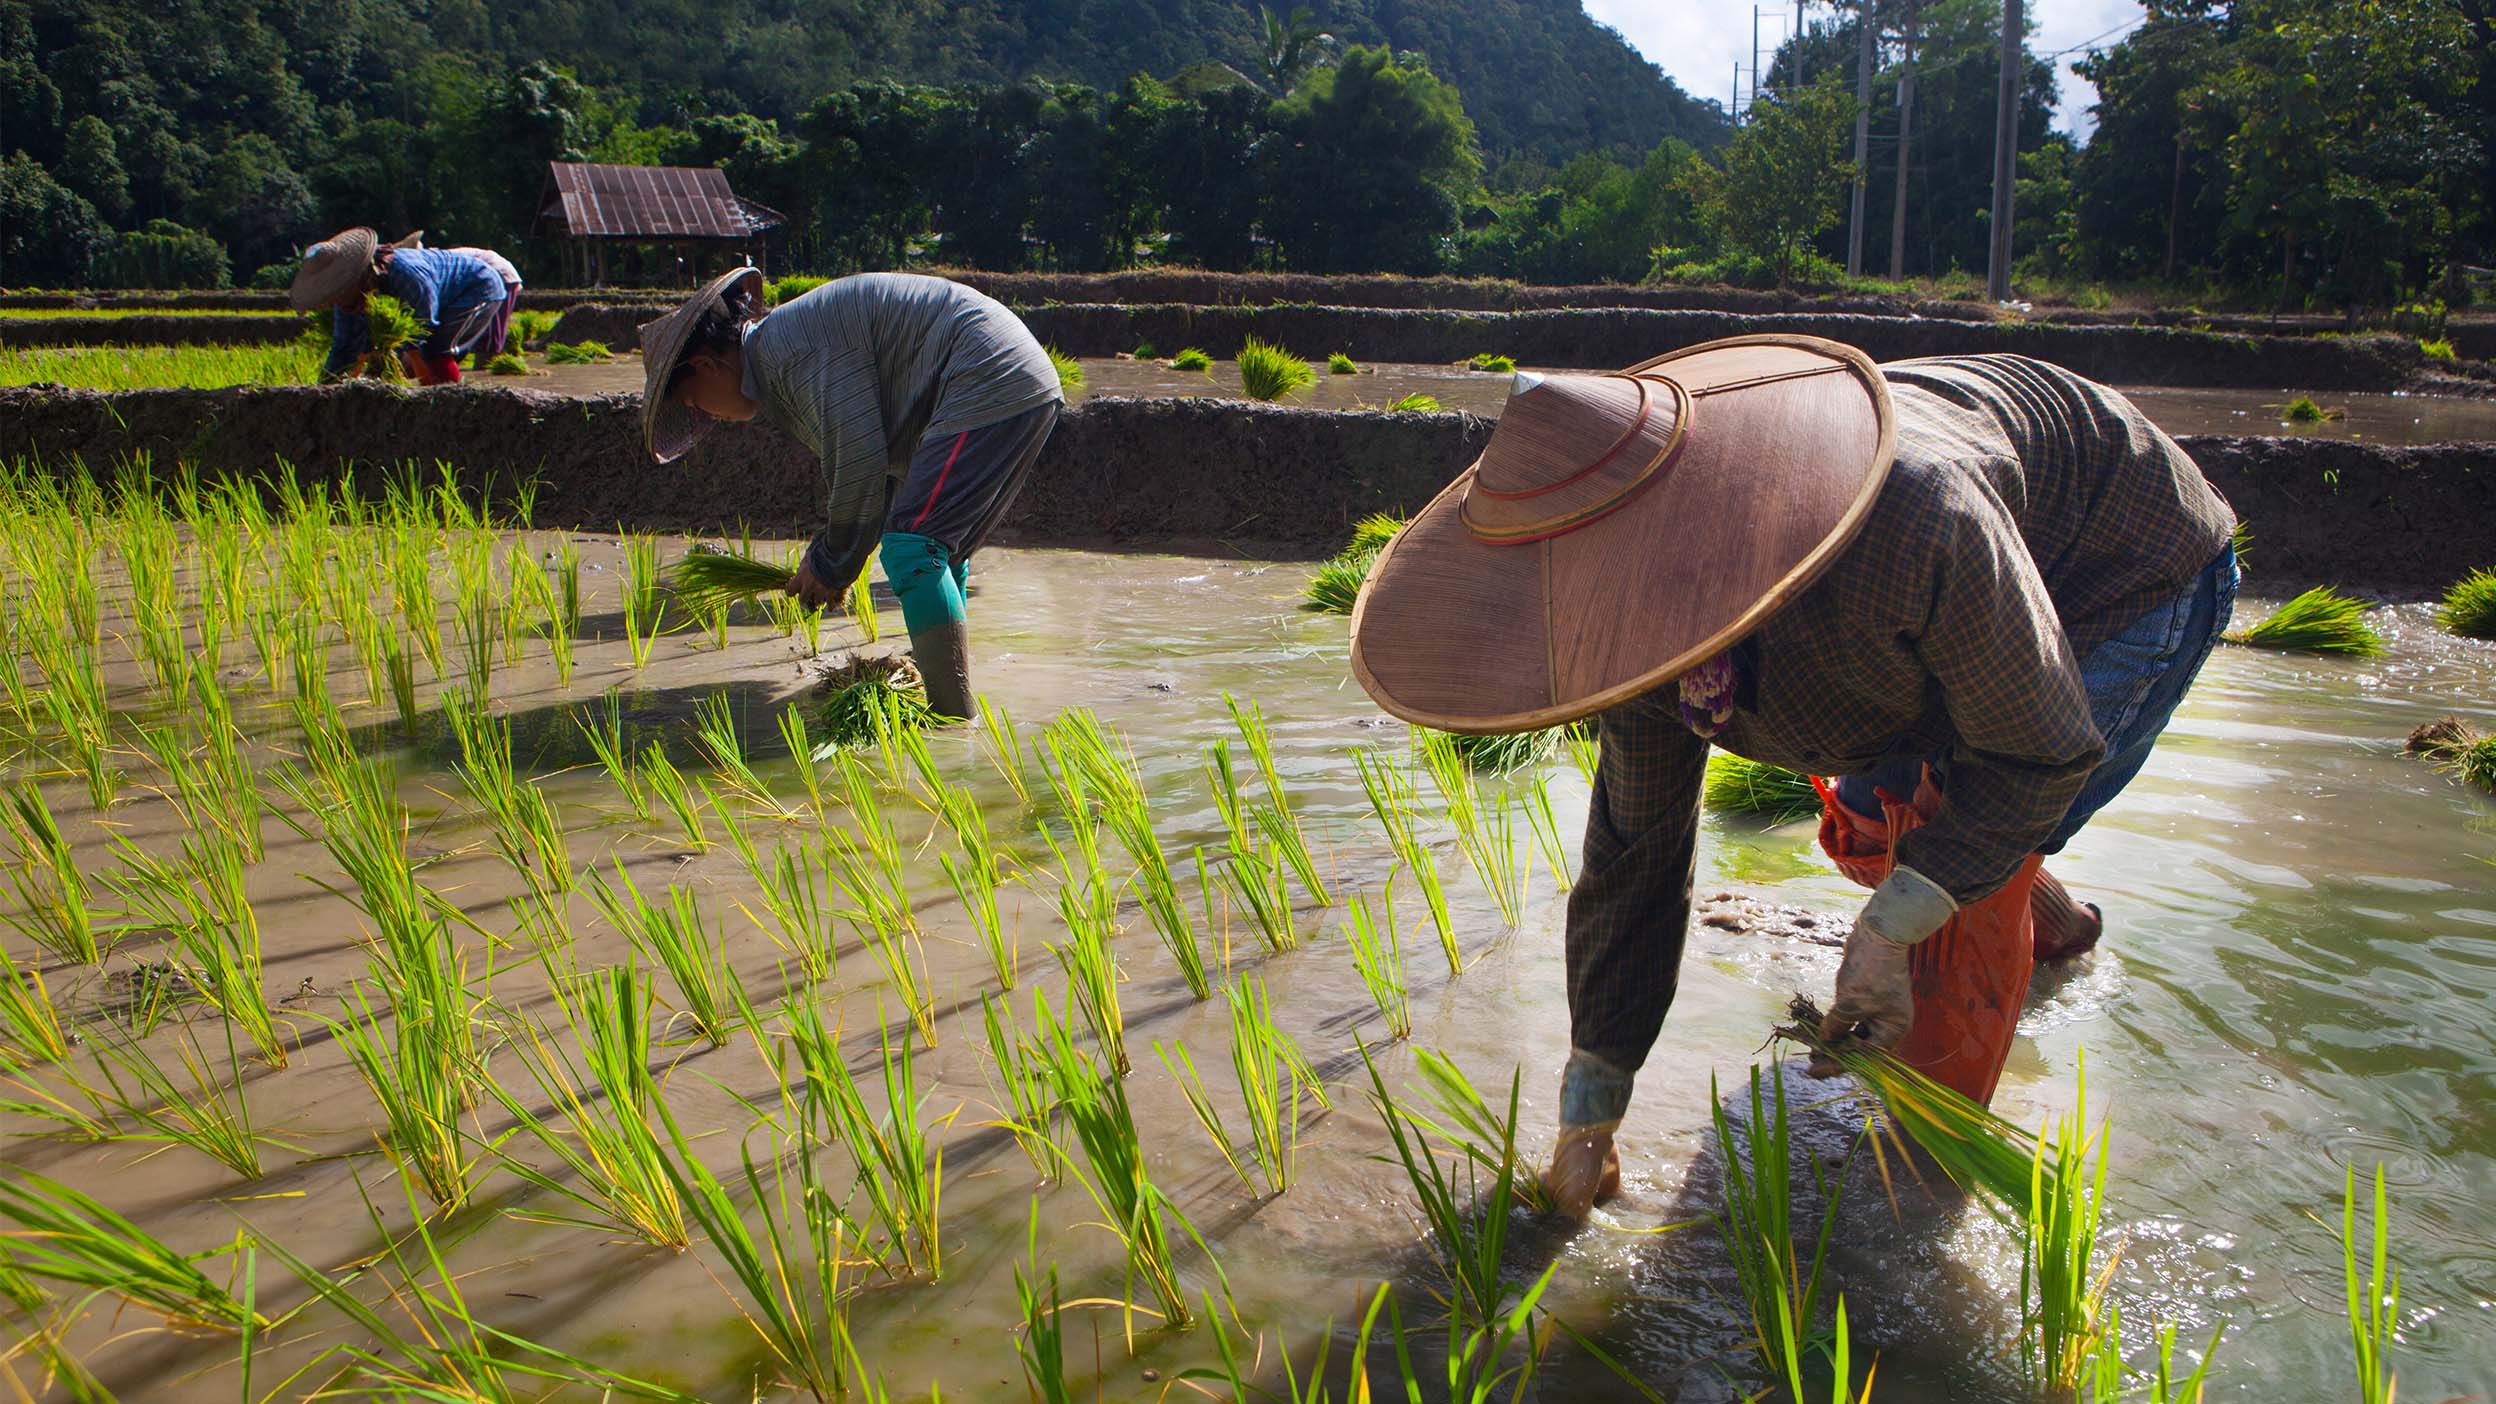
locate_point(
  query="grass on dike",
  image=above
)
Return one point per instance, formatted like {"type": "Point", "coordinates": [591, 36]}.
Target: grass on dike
{"type": "Point", "coordinates": [160, 367]}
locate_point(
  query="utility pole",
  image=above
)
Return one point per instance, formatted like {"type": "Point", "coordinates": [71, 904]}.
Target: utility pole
{"type": "Point", "coordinates": [1754, 58]}
{"type": "Point", "coordinates": [1799, 80]}
{"type": "Point", "coordinates": [1906, 125]}
{"type": "Point", "coordinates": [1735, 110]}
{"type": "Point", "coordinates": [2005, 152]}
{"type": "Point", "coordinates": [1863, 136]}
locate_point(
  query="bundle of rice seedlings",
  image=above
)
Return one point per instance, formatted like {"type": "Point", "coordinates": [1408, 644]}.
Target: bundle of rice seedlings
{"type": "Point", "coordinates": [1373, 532]}
{"type": "Point", "coordinates": [1414, 402]}
{"type": "Point", "coordinates": [2475, 763]}
{"type": "Point", "coordinates": [2242, 540]}
{"type": "Point", "coordinates": [2469, 608]}
{"type": "Point", "coordinates": [1338, 363]}
{"type": "Point", "coordinates": [507, 364]}
{"type": "Point", "coordinates": [709, 578]}
{"type": "Point", "coordinates": [1740, 785]}
{"type": "Point", "coordinates": [863, 692]}
{"type": "Point", "coordinates": [2439, 739]}
{"type": "Point", "coordinates": [1191, 358]}
{"type": "Point", "coordinates": [2303, 410]}
{"type": "Point", "coordinates": [1069, 370]}
{"type": "Point", "coordinates": [578, 354]}
{"type": "Point", "coordinates": [2322, 620]}
{"type": "Point", "coordinates": [1485, 361]}
{"type": "Point", "coordinates": [1269, 372]}
{"type": "Point", "coordinates": [1509, 751]}
{"type": "Point", "coordinates": [1144, 352]}
{"type": "Point", "coordinates": [1982, 1153]}
{"type": "Point", "coordinates": [1337, 583]}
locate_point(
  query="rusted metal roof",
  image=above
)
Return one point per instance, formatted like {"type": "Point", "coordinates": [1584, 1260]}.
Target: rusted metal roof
{"type": "Point", "coordinates": [651, 202]}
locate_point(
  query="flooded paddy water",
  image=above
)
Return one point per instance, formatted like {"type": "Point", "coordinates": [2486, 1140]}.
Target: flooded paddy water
{"type": "Point", "coordinates": [2297, 979]}
{"type": "Point", "coordinates": [2370, 417]}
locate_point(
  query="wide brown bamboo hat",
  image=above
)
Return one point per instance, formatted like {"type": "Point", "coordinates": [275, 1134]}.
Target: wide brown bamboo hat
{"type": "Point", "coordinates": [1620, 529]}
{"type": "Point", "coordinates": [668, 428]}
{"type": "Point", "coordinates": [332, 266]}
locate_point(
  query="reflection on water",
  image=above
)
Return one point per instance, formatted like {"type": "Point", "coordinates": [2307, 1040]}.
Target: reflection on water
{"type": "Point", "coordinates": [2302, 933]}
{"type": "Point", "coordinates": [2374, 418]}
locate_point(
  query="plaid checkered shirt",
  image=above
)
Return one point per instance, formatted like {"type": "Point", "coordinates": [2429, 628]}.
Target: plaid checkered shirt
{"type": "Point", "coordinates": [2029, 516]}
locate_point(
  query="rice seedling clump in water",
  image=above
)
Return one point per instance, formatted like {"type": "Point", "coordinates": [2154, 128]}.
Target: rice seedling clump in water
{"type": "Point", "coordinates": [1337, 584]}
{"type": "Point", "coordinates": [2322, 620]}
{"type": "Point", "coordinates": [1269, 372]}
{"type": "Point", "coordinates": [1414, 402]}
{"type": "Point", "coordinates": [1069, 370]}
{"type": "Point", "coordinates": [2469, 608]}
{"type": "Point", "coordinates": [1486, 361]}
{"type": "Point", "coordinates": [1337, 363]}
{"type": "Point", "coordinates": [864, 692]}
{"type": "Point", "coordinates": [1740, 785]}
{"type": "Point", "coordinates": [586, 353]}
{"type": "Point", "coordinates": [1191, 359]}
{"type": "Point", "coordinates": [507, 364]}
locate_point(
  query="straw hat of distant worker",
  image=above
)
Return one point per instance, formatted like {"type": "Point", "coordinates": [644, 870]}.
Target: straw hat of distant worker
{"type": "Point", "coordinates": [334, 268]}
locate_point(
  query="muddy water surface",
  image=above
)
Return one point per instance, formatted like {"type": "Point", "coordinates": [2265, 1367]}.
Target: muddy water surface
{"type": "Point", "coordinates": [2303, 932]}
{"type": "Point", "coordinates": [2392, 419]}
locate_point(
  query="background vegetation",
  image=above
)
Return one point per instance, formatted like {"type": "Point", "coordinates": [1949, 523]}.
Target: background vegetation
{"type": "Point", "coordinates": [2268, 152]}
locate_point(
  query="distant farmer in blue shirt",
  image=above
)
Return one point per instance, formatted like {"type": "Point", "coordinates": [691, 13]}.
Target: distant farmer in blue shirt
{"type": "Point", "coordinates": [926, 401]}
{"type": "Point", "coordinates": [453, 296]}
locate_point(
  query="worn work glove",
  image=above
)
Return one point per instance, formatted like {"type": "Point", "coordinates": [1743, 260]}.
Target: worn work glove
{"type": "Point", "coordinates": [1875, 994]}
{"type": "Point", "coordinates": [1585, 1169]}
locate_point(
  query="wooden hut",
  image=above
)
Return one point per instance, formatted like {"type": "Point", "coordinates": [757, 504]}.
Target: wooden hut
{"type": "Point", "coordinates": [684, 215]}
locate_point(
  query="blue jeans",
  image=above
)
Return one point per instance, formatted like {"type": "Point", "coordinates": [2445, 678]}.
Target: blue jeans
{"type": "Point", "coordinates": [2135, 681]}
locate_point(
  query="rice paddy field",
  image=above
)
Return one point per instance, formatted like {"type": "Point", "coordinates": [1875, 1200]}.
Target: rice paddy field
{"type": "Point", "coordinates": [154, 367]}
{"type": "Point", "coordinates": [443, 966]}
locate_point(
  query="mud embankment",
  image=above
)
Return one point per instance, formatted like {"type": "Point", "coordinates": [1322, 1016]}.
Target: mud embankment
{"type": "Point", "coordinates": [1596, 339]}
{"type": "Point", "coordinates": [1208, 474]}
{"type": "Point", "coordinates": [152, 329]}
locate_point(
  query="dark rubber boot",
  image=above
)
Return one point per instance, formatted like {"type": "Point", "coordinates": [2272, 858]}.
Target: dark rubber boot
{"type": "Point", "coordinates": [2064, 928]}
{"type": "Point", "coordinates": [944, 658]}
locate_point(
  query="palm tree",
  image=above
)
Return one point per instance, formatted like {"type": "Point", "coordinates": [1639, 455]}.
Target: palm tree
{"type": "Point", "coordinates": [1291, 46]}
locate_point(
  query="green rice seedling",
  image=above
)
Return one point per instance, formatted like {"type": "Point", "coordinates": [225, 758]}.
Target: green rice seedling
{"type": "Point", "coordinates": [1469, 1244]}
{"type": "Point", "coordinates": [789, 1280]}
{"type": "Point", "coordinates": [30, 1024]}
{"type": "Point", "coordinates": [1254, 881]}
{"type": "Point", "coordinates": [212, 1115]}
{"type": "Point", "coordinates": [410, 568]}
{"type": "Point", "coordinates": [1337, 363]}
{"type": "Point", "coordinates": [1069, 370]}
{"type": "Point", "coordinates": [801, 746]}
{"type": "Point", "coordinates": [399, 672]}
{"type": "Point", "coordinates": [1275, 816]}
{"type": "Point", "coordinates": [2374, 1295]}
{"type": "Point", "coordinates": [53, 907]}
{"type": "Point", "coordinates": [1268, 372]}
{"type": "Point", "coordinates": [1495, 364]}
{"type": "Point", "coordinates": [795, 895]}
{"type": "Point", "coordinates": [2469, 607]}
{"type": "Point", "coordinates": [1091, 918]}
{"type": "Point", "coordinates": [1780, 1289]}
{"type": "Point", "coordinates": [267, 626]}
{"type": "Point", "coordinates": [1983, 1154]}
{"type": "Point", "coordinates": [1413, 402]}
{"type": "Point", "coordinates": [367, 832]}
{"type": "Point", "coordinates": [1373, 532]}
{"type": "Point", "coordinates": [974, 884]}
{"type": "Point", "coordinates": [860, 604]}
{"type": "Point", "coordinates": [476, 609]}
{"type": "Point", "coordinates": [667, 784]}
{"type": "Point", "coordinates": [1547, 837]}
{"type": "Point", "coordinates": [1029, 1100]}
{"type": "Point", "coordinates": [606, 740]}
{"type": "Point", "coordinates": [1486, 832]}
{"type": "Point", "coordinates": [2303, 409]}
{"type": "Point", "coordinates": [674, 935]}
{"type": "Point", "coordinates": [1740, 785]}
{"type": "Point", "coordinates": [507, 363]}
{"type": "Point", "coordinates": [2322, 620]}
{"type": "Point", "coordinates": [2060, 1290]}
{"type": "Point", "coordinates": [219, 939]}
{"type": "Point", "coordinates": [1392, 799]}
{"type": "Point", "coordinates": [58, 1234]}
{"type": "Point", "coordinates": [1493, 1360]}
{"type": "Point", "coordinates": [618, 1169]}
{"type": "Point", "coordinates": [527, 831]}
{"type": "Point", "coordinates": [1272, 1076]}
{"type": "Point", "coordinates": [420, 1073]}
{"type": "Point", "coordinates": [2436, 348]}
{"type": "Point", "coordinates": [307, 660]}
{"type": "Point", "coordinates": [43, 1341]}
{"type": "Point", "coordinates": [443, 1351]}
{"type": "Point", "coordinates": [582, 353]}
{"type": "Point", "coordinates": [2109, 1381]}
{"type": "Point", "coordinates": [77, 712]}
{"type": "Point", "coordinates": [1472, 1127]}
{"type": "Point", "coordinates": [1042, 1345]}
{"type": "Point", "coordinates": [901, 1166]}
{"type": "Point", "coordinates": [160, 367]}
{"type": "Point", "coordinates": [1378, 954]}
{"type": "Point", "coordinates": [565, 575]}
{"type": "Point", "coordinates": [1112, 1173]}
{"type": "Point", "coordinates": [1191, 358]}
{"type": "Point", "coordinates": [1129, 817]}
{"type": "Point", "coordinates": [641, 629]}
{"type": "Point", "coordinates": [715, 732]}
{"type": "Point", "coordinates": [1004, 745]}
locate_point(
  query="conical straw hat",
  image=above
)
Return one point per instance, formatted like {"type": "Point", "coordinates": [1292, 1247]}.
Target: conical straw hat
{"type": "Point", "coordinates": [332, 266]}
{"type": "Point", "coordinates": [668, 428]}
{"type": "Point", "coordinates": [1620, 529]}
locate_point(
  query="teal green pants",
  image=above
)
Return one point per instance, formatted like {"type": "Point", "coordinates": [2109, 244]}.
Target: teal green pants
{"type": "Point", "coordinates": [930, 583]}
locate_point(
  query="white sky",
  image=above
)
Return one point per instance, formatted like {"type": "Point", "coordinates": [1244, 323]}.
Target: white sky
{"type": "Point", "coordinates": [1698, 41]}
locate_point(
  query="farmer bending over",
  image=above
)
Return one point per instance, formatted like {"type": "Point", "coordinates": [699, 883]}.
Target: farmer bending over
{"type": "Point", "coordinates": [453, 297]}
{"type": "Point", "coordinates": [1972, 588]}
{"type": "Point", "coordinates": [926, 402]}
